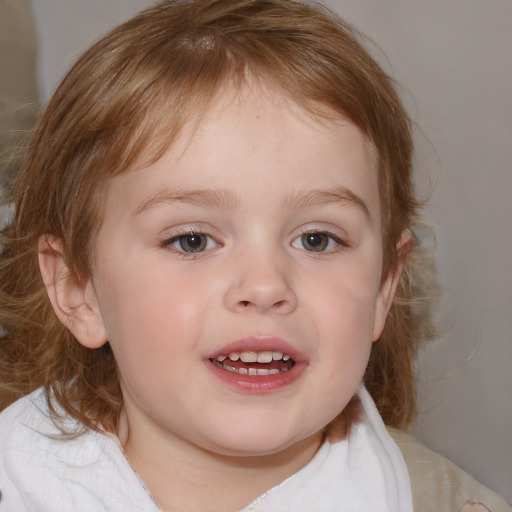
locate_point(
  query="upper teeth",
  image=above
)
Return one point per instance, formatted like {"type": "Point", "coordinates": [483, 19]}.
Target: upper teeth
{"type": "Point", "coordinates": [254, 357]}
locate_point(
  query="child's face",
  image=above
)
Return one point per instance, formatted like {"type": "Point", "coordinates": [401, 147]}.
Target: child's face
{"type": "Point", "coordinates": [260, 232]}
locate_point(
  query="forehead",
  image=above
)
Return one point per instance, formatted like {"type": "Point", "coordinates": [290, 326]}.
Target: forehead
{"type": "Point", "coordinates": [257, 141]}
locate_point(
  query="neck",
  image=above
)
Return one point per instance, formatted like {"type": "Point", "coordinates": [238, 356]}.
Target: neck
{"type": "Point", "coordinates": [181, 476]}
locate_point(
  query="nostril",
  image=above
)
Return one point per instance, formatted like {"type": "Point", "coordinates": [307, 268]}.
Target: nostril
{"type": "Point", "coordinates": [247, 303]}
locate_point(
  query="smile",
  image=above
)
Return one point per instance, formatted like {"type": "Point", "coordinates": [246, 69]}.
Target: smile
{"type": "Point", "coordinates": [255, 363]}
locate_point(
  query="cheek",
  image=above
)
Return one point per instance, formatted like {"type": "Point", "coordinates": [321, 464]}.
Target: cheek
{"type": "Point", "coordinates": [347, 299]}
{"type": "Point", "coordinates": [150, 319]}
{"type": "Point", "coordinates": [344, 319]}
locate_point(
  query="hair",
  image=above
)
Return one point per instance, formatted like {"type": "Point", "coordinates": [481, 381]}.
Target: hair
{"type": "Point", "coordinates": [127, 99]}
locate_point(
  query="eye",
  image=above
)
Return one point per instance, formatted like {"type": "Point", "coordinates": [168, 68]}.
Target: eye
{"type": "Point", "coordinates": [191, 242]}
{"type": "Point", "coordinates": [318, 241]}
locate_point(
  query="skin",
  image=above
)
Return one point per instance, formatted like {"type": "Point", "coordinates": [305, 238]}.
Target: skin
{"type": "Point", "coordinates": [165, 311]}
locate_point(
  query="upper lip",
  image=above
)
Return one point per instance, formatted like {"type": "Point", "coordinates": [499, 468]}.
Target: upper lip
{"type": "Point", "coordinates": [259, 344]}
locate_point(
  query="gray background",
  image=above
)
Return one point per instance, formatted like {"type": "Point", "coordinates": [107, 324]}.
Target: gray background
{"type": "Point", "coordinates": [453, 59]}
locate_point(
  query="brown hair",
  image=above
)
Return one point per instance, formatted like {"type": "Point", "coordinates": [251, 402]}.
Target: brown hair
{"type": "Point", "coordinates": [141, 83]}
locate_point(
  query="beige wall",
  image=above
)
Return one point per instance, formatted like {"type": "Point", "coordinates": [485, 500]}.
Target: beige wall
{"type": "Point", "coordinates": [454, 61]}
{"type": "Point", "coordinates": [18, 90]}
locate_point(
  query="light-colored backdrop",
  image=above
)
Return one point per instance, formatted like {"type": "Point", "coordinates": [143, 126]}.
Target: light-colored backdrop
{"type": "Point", "coordinates": [453, 59]}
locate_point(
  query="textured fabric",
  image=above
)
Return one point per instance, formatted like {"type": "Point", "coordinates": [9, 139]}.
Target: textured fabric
{"type": "Point", "coordinates": [438, 485]}
{"type": "Point", "coordinates": [39, 471]}
{"type": "Point", "coordinates": [364, 473]}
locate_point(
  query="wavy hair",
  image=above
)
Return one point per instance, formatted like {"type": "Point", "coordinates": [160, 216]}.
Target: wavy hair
{"type": "Point", "coordinates": [126, 100]}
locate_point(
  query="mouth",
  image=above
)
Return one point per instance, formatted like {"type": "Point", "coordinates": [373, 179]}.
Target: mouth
{"type": "Point", "coordinates": [255, 363]}
{"type": "Point", "coordinates": [258, 364]}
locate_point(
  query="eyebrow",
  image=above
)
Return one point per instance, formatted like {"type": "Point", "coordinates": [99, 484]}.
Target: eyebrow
{"type": "Point", "coordinates": [308, 198]}
{"type": "Point", "coordinates": [223, 198]}
{"type": "Point", "coordinates": [203, 197]}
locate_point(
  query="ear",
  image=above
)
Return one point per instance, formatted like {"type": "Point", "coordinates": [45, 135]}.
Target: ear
{"type": "Point", "coordinates": [74, 301]}
{"type": "Point", "coordinates": [388, 286]}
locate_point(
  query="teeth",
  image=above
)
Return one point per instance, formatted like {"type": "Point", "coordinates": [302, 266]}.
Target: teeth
{"type": "Point", "coordinates": [265, 356]}
{"type": "Point", "coordinates": [224, 363]}
{"type": "Point", "coordinates": [252, 371]}
{"type": "Point", "coordinates": [249, 357]}
{"type": "Point", "coordinates": [267, 372]}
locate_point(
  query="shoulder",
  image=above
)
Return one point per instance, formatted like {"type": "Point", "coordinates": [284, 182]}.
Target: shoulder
{"type": "Point", "coordinates": [439, 485]}
{"type": "Point", "coordinates": [42, 469]}
{"type": "Point", "coordinates": [28, 459]}
{"type": "Point", "coordinates": [20, 421]}
{"type": "Point", "coordinates": [19, 424]}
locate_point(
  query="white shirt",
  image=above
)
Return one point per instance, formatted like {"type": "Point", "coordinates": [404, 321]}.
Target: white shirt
{"type": "Point", "coordinates": [40, 471]}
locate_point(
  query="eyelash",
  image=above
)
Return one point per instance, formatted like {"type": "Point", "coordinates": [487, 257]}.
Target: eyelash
{"type": "Point", "coordinates": [206, 240]}
{"type": "Point", "coordinates": [331, 237]}
{"type": "Point", "coordinates": [180, 239]}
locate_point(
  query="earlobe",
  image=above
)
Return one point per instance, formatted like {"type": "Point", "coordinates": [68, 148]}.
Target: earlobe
{"type": "Point", "coordinates": [388, 286]}
{"type": "Point", "coordinates": [74, 301]}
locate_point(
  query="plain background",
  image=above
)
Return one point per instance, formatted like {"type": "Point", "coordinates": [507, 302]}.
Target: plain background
{"type": "Point", "coordinates": [453, 60]}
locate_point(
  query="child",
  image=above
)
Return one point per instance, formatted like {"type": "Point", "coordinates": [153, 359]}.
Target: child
{"type": "Point", "coordinates": [214, 246]}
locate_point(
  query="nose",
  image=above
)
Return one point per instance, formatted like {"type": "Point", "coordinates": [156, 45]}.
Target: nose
{"type": "Point", "coordinates": [260, 284]}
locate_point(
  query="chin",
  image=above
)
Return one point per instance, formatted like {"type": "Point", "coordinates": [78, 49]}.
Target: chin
{"type": "Point", "coordinates": [263, 441]}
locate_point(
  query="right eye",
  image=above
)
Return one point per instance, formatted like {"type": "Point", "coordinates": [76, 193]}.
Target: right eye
{"type": "Point", "coordinates": [319, 242]}
{"type": "Point", "coordinates": [190, 243]}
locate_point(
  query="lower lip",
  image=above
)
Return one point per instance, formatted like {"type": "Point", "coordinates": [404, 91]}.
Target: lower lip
{"type": "Point", "coordinates": [257, 384]}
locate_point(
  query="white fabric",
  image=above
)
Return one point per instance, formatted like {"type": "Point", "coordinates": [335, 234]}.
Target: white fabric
{"type": "Point", "coordinates": [39, 473]}
{"type": "Point", "coordinates": [47, 474]}
{"type": "Point", "coordinates": [365, 473]}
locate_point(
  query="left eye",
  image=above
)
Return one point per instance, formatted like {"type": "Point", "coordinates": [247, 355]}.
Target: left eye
{"type": "Point", "coordinates": [191, 242]}
{"type": "Point", "coordinates": [317, 241]}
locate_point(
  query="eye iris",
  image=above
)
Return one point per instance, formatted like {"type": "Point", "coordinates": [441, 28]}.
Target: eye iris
{"type": "Point", "coordinates": [193, 242]}
{"type": "Point", "coordinates": [315, 242]}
